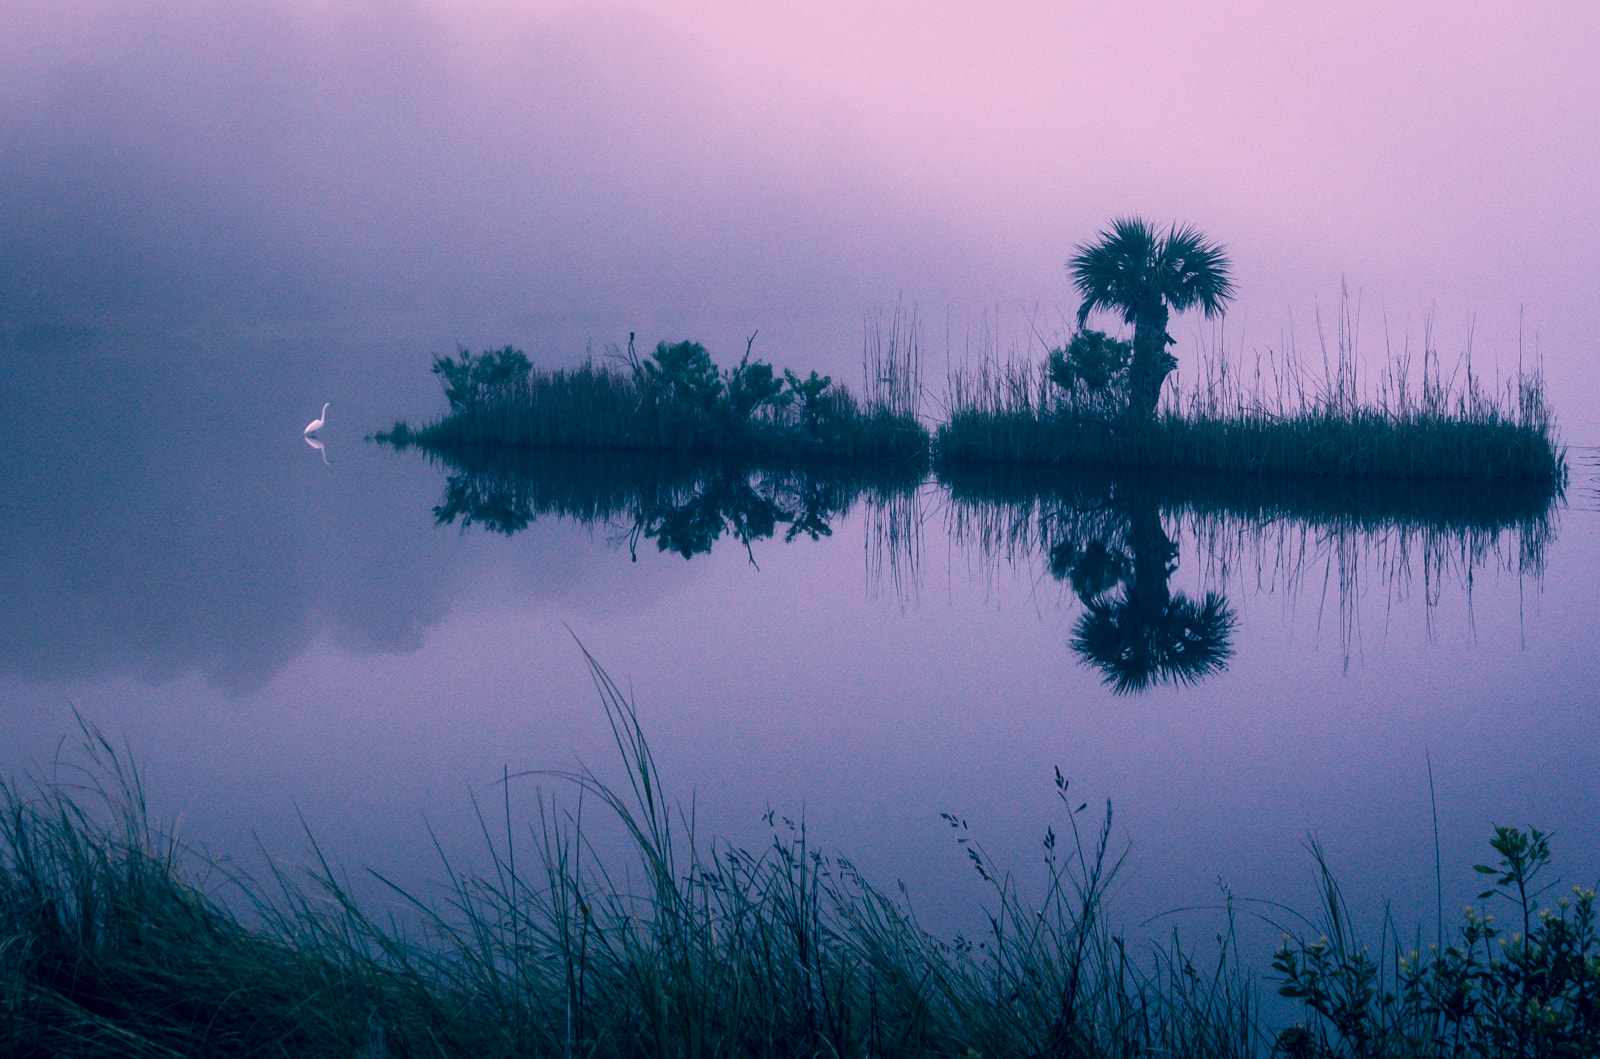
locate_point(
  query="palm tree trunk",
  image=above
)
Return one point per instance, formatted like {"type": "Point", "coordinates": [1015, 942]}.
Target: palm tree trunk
{"type": "Point", "coordinates": [1151, 363]}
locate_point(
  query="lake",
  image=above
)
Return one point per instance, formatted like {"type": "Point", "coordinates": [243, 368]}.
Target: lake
{"type": "Point", "coordinates": [357, 643]}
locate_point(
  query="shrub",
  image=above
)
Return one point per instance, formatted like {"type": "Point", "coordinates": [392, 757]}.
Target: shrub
{"type": "Point", "coordinates": [470, 380]}
{"type": "Point", "coordinates": [1533, 993]}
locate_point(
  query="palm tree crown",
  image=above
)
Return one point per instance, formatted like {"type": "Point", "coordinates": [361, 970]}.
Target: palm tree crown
{"type": "Point", "coordinates": [1132, 268]}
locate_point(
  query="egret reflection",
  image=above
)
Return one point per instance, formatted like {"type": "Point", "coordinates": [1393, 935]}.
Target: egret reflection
{"type": "Point", "coordinates": [317, 444]}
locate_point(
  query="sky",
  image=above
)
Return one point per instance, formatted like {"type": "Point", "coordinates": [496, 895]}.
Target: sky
{"type": "Point", "coordinates": [559, 174]}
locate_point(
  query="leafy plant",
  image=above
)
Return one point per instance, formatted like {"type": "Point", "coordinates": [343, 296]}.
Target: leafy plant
{"type": "Point", "coordinates": [685, 374]}
{"type": "Point", "coordinates": [1535, 993]}
{"type": "Point", "coordinates": [812, 394]}
{"type": "Point", "coordinates": [1094, 359]}
{"type": "Point", "coordinates": [752, 386]}
{"type": "Point", "coordinates": [470, 380]}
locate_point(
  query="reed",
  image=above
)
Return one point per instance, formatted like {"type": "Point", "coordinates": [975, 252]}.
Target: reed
{"type": "Point", "coordinates": [119, 941]}
{"type": "Point", "coordinates": [1285, 416]}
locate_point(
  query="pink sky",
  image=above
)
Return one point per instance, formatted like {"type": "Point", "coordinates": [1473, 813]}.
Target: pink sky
{"type": "Point", "coordinates": [712, 168]}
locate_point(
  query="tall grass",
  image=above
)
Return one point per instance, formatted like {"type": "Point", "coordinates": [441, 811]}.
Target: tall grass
{"type": "Point", "coordinates": [115, 940]}
{"type": "Point", "coordinates": [1288, 414]}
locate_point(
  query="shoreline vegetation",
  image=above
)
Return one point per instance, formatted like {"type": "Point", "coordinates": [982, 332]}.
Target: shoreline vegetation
{"type": "Point", "coordinates": [1288, 421]}
{"type": "Point", "coordinates": [1069, 413]}
{"type": "Point", "coordinates": [117, 940]}
{"type": "Point", "coordinates": [674, 401]}
{"type": "Point", "coordinates": [1096, 401]}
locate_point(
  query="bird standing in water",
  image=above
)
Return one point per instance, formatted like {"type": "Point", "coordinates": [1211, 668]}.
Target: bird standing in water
{"type": "Point", "coordinates": [316, 424]}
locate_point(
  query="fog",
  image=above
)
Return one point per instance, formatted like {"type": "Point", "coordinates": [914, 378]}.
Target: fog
{"type": "Point", "coordinates": [559, 174]}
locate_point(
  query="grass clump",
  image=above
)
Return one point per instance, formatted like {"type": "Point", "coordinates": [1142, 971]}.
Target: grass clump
{"type": "Point", "coordinates": [674, 400]}
{"type": "Point", "coordinates": [113, 948]}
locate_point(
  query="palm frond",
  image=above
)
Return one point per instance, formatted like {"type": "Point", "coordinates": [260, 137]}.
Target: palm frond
{"type": "Point", "coordinates": [1195, 271]}
{"type": "Point", "coordinates": [1115, 272]}
{"type": "Point", "coordinates": [1136, 647]}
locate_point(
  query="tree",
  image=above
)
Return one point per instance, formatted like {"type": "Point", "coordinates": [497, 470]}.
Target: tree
{"type": "Point", "coordinates": [1142, 275]}
{"type": "Point", "coordinates": [470, 380]}
{"type": "Point", "coordinates": [684, 374]}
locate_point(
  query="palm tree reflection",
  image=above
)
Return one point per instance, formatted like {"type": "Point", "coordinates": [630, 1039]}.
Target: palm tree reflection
{"type": "Point", "coordinates": [1134, 629]}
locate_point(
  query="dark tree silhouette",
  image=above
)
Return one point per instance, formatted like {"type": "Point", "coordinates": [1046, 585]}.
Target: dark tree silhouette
{"type": "Point", "coordinates": [1144, 276]}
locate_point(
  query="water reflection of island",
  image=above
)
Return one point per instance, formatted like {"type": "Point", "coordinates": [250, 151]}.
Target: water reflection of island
{"type": "Point", "coordinates": [1111, 538]}
{"type": "Point", "coordinates": [684, 506]}
{"type": "Point", "coordinates": [1114, 540]}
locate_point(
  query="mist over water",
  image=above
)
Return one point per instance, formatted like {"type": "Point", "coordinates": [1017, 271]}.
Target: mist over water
{"type": "Point", "coordinates": [559, 175]}
{"type": "Point", "coordinates": [221, 218]}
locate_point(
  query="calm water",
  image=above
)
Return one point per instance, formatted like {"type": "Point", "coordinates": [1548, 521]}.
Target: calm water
{"type": "Point", "coordinates": [366, 639]}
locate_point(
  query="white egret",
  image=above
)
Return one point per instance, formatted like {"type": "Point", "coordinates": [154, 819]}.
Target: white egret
{"type": "Point", "coordinates": [316, 424]}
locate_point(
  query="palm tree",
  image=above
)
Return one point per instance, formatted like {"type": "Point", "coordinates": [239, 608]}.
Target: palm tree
{"type": "Point", "coordinates": [1134, 271]}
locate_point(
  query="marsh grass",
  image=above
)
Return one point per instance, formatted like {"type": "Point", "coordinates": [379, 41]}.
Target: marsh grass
{"type": "Point", "coordinates": [1271, 413]}
{"type": "Point", "coordinates": [680, 403]}
{"type": "Point", "coordinates": [119, 941]}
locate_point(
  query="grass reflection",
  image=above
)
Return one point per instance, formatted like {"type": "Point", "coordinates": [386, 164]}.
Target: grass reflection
{"type": "Point", "coordinates": [1113, 538]}
{"type": "Point", "coordinates": [682, 505]}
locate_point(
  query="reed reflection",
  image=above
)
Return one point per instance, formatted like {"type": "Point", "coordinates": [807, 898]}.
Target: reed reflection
{"type": "Point", "coordinates": [1115, 540]}
{"type": "Point", "coordinates": [682, 506]}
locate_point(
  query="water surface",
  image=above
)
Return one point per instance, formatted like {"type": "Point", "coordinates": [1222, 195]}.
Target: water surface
{"type": "Point", "coordinates": [366, 639]}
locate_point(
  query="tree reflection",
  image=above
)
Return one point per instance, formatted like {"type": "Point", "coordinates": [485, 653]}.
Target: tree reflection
{"type": "Point", "coordinates": [684, 507]}
{"type": "Point", "coordinates": [1134, 629]}
{"type": "Point", "coordinates": [1106, 535]}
